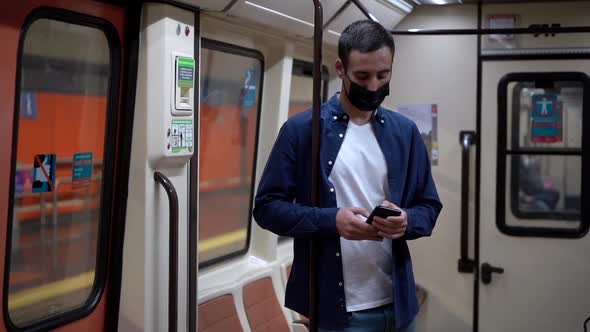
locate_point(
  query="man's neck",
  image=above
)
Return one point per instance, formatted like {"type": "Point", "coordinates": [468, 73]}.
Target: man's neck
{"type": "Point", "coordinates": [357, 116]}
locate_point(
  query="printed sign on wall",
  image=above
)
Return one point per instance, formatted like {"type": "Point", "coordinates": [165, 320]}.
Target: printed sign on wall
{"type": "Point", "coordinates": [546, 115]}
{"type": "Point", "coordinates": [44, 173]}
{"type": "Point", "coordinates": [181, 135]}
{"type": "Point", "coordinates": [186, 72]}
{"type": "Point", "coordinates": [425, 117]}
{"type": "Point", "coordinates": [81, 170]}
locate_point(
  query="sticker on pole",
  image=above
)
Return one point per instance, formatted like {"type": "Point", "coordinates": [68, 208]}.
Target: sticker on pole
{"type": "Point", "coordinates": [181, 138]}
{"type": "Point", "coordinates": [185, 72]}
{"type": "Point", "coordinates": [44, 173]}
{"type": "Point", "coordinates": [81, 170]}
{"type": "Point", "coordinates": [546, 115]}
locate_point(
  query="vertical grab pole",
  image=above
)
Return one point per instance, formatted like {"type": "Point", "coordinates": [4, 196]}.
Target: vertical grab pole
{"type": "Point", "coordinates": [315, 159]}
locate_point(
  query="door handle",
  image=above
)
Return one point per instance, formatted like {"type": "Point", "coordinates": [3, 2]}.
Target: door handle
{"type": "Point", "coordinates": [173, 251]}
{"type": "Point", "coordinates": [465, 264]}
{"type": "Point", "coordinates": [487, 270]}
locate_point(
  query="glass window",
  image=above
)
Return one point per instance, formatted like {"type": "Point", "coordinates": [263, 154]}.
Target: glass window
{"type": "Point", "coordinates": [231, 85]}
{"type": "Point", "coordinates": [58, 184]}
{"type": "Point", "coordinates": [540, 156]}
{"type": "Point", "coordinates": [301, 94]}
{"type": "Point", "coordinates": [544, 188]}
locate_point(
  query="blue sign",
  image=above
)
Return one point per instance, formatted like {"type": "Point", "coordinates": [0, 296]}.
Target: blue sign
{"type": "Point", "coordinates": [546, 119]}
{"type": "Point", "coordinates": [249, 89]}
{"type": "Point", "coordinates": [44, 173]}
{"type": "Point", "coordinates": [28, 109]}
{"type": "Point", "coordinates": [81, 170]}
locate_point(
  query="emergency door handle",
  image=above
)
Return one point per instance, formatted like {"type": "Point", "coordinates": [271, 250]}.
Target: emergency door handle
{"type": "Point", "coordinates": [487, 270]}
{"type": "Point", "coordinates": [173, 251]}
{"type": "Point", "coordinates": [467, 139]}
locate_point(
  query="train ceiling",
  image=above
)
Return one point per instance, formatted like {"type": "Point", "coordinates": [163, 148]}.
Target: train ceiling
{"type": "Point", "coordinates": [296, 17]}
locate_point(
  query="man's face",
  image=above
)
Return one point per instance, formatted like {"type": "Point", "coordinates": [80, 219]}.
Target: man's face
{"type": "Point", "coordinates": [371, 70]}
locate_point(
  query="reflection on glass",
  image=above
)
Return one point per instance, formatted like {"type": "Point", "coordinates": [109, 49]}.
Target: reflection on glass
{"type": "Point", "coordinates": [300, 97]}
{"type": "Point", "coordinates": [57, 184]}
{"type": "Point", "coordinates": [230, 85]}
{"type": "Point", "coordinates": [546, 187]}
{"type": "Point", "coordinates": [546, 118]}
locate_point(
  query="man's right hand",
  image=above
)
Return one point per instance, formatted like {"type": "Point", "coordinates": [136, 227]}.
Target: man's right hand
{"type": "Point", "coordinates": [350, 227]}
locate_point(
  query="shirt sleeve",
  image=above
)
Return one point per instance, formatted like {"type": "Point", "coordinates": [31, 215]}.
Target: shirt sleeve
{"type": "Point", "coordinates": [424, 206]}
{"type": "Point", "coordinates": [274, 207]}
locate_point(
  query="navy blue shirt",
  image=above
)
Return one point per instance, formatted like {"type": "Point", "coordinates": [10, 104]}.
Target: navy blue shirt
{"type": "Point", "coordinates": [283, 206]}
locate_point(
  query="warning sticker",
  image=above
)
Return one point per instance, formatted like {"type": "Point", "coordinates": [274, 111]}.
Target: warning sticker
{"type": "Point", "coordinates": [181, 138]}
{"type": "Point", "coordinates": [186, 71]}
{"type": "Point", "coordinates": [81, 170]}
{"type": "Point", "coordinates": [44, 173]}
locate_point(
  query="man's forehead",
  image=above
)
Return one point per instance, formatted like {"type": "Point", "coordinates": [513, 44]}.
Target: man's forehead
{"type": "Point", "coordinates": [378, 60]}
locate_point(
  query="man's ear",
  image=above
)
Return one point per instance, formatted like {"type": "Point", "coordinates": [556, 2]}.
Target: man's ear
{"type": "Point", "coordinates": [340, 68]}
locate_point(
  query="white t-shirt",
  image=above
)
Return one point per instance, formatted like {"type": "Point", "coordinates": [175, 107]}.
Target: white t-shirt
{"type": "Point", "coordinates": [359, 177]}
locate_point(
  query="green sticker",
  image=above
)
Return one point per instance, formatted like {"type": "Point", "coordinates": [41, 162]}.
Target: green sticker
{"type": "Point", "coordinates": [186, 72]}
{"type": "Point", "coordinates": [181, 135]}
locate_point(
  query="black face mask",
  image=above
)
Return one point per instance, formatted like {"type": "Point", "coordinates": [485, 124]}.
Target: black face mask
{"type": "Point", "coordinates": [364, 99]}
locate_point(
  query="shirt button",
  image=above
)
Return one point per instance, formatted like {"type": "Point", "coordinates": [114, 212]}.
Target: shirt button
{"type": "Point", "coordinates": [331, 190]}
{"type": "Point", "coordinates": [341, 135]}
{"type": "Point", "coordinates": [335, 117]}
{"type": "Point", "coordinates": [382, 121]}
{"type": "Point", "coordinates": [337, 254]}
{"type": "Point", "coordinates": [330, 162]}
{"type": "Point", "coordinates": [340, 284]}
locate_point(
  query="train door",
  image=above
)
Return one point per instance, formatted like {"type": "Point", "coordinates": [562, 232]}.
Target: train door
{"type": "Point", "coordinates": [60, 139]}
{"type": "Point", "coordinates": [533, 248]}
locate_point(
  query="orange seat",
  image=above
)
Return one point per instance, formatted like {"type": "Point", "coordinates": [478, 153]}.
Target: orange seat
{"type": "Point", "coordinates": [262, 307]}
{"type": "Point", "coordinates": [219, 315]}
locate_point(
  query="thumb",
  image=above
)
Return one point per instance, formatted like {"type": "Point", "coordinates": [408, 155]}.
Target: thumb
{"type": "Point", "coordinates": [359, 210]}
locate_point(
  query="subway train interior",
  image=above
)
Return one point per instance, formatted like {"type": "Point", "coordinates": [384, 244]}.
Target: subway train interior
{"type": "Point", "coordinates": [133, 135]}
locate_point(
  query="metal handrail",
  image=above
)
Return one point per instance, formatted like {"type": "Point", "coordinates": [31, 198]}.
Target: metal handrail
{"type": "Point", "coordinates": [465, 264]}
{"type": "Point", "coordinates": [173, 251]}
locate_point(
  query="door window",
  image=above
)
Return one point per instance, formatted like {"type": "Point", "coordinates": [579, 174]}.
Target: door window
{"type": "Point", "coordinates": [540, 159]}
{"type": "Point", "coordinates": [64, 149]}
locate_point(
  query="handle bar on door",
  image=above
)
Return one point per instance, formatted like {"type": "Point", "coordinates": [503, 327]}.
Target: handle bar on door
{"type": "Point", "coordinates": [465, 264]}
{"type": "Point", "coordinates": [173, 251]}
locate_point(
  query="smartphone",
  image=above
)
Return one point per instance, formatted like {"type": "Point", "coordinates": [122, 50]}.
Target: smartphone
{"type": "Point", "coordinates": [383, 212]}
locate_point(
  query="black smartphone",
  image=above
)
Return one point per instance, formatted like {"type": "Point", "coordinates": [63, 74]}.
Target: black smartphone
{"type": "Point", "coordinates": [383, 212]}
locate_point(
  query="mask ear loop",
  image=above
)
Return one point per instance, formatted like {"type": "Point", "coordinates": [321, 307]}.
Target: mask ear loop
{"type": "Point", "coordinates": [344, 85]}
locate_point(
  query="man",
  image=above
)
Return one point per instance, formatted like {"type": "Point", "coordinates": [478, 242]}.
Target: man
{"type": "Point", "coordinates": [369, 156]}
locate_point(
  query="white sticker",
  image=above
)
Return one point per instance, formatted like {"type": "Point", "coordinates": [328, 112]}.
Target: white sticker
{"type": "Point", "coordinates": [182, 135]}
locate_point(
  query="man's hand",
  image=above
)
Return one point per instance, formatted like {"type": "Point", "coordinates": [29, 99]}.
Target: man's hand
{"type": "Point", "coordinates": [350, 227]}
{"type": "Point", "coordinates": [392, 227]}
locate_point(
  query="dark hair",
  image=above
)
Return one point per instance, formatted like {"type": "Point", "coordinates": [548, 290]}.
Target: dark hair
{"type": "Point", "coordinates": [364, 36]}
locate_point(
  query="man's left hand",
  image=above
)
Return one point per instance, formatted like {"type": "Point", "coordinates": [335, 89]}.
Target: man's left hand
{"type": "Point", "coordinates": [392, 227]}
